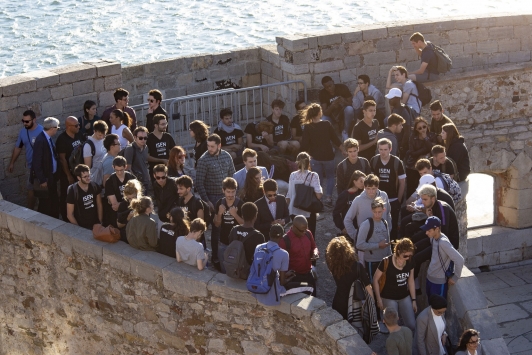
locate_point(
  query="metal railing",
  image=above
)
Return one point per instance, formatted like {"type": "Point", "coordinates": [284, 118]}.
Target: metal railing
{"type": "Point", "coordinates": [248, 105]}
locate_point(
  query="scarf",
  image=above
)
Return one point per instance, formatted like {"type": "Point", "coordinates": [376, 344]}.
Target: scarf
{"type": "Point", "coordinates": [228, 129]}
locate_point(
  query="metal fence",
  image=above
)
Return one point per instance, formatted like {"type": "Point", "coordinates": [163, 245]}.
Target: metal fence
{"type": "Point", "coordinates": [248, 105]}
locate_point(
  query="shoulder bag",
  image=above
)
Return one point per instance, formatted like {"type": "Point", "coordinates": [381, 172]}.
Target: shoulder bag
{"type": "Point", "coordinates": [306, 198]}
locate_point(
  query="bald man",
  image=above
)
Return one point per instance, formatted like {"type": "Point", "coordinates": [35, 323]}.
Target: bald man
{"type": "Point", "coordinates": [65, 144]}
{"type": "Point", "coordinates": [302, 250]}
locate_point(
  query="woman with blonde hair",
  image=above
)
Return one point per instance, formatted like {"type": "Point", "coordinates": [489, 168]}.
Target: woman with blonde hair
{"type": "Point", "coordinates": [132, 190]}
{"type": "Point", "coordinates": [456, 149]}
{"type": "Point", "coordinates": [393, 282]}
{"type": "Point", "coordinates": [252, 189]}
{"type": "Point", "coordinates": [303, 176]}
{"type": "Point", "coordinates": [141, 230]}
{"type": "Point", "coordinates": [318, 140]}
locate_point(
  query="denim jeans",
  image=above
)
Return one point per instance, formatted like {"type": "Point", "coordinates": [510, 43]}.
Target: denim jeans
{"type": "Point", "coordinates": [404, 309]}
{"type": "Point", "coordinates": [215, 231]}
{"type": "Point", "coordinates": [326, 172]}
{"type": "Point", "coordinates": [221, 251]}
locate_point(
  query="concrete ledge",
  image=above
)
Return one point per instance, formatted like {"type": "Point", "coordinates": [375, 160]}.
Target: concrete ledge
{"type": "Point", "coordinates": [325, 317]}
{"type": "Point", "coordinates": [231, 289]}
{"type": "Point", "coordinates": [467, 294]}
{"type": "Point", "coordinates": [305, 307]}
{"type": "Point", "coordinates": [187, 280]}
{"type": "Point", "coordinates": [118, 255]}
{"type": "Point", "coordinates": [149, 265]}
{"type": "Point", "coordinates": [39, 228]}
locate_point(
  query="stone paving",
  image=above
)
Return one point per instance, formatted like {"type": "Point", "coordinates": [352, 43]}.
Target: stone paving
{"type": "Point", "coordinates": [509, 295]}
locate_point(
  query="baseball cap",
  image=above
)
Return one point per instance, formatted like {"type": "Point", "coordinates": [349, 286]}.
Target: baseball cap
{"type": "Point", "coordinates": [394, 92]}
{"type": "Point", "coordinates": [431, 222]}
{"type": "Point", "coordinates": [424, 180]}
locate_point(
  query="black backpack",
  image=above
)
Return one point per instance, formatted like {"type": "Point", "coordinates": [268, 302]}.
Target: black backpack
{"type": "Point", "coordinates": [424, 96]}
{"type": "Point", "coordinates": [371, 227]}
{"type": "Point", "coordinates": [76, 157]}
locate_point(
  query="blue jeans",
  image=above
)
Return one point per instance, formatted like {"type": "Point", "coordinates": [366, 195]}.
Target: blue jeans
{"type": "Point", "coordinates": [221, 251]}
{"type": "Point", "coordinates": [349, 116]}
{"type": "Point", "coordinates": [437, 289]}
{"type": "Point", "coordinates": [215, 231]}
{"type": "Point", "coordinates": [326, 172]}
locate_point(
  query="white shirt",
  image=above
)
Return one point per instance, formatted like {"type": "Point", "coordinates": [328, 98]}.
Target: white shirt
{"type": "Point", "coordinates": [440, 327]}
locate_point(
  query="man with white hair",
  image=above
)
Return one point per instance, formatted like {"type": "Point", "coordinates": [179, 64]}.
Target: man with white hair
{"type": "Point", "coordinates": [45, 167]}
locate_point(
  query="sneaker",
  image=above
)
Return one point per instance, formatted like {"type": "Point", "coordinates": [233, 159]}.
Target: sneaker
{"type": "Point", "coordinates": [344, 136]}
{"type": "Point", "coordinates": [382, 328]}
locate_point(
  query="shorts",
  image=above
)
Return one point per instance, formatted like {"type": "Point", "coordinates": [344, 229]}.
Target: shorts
{"type": "Point", "coordinates": [426, 76]}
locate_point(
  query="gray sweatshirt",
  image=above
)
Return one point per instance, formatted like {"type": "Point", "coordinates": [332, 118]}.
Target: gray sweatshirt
{"type": "Point", "coordinates": [371, 249]}
{"type": "Point", "coordinates": [361, 209]}
{"type": "Point", "coordinates": [436, 271]}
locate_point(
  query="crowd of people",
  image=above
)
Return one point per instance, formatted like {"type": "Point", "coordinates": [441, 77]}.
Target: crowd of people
{"type": "Point", "coordinates": [396, 191]}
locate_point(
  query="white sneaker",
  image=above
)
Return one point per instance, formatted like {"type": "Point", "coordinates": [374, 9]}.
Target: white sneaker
{"type": "Point", "coordinates": [344, 135]}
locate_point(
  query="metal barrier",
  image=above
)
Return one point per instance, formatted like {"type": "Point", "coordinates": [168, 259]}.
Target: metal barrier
{"type": "Point", "coordinates": [248, 105]}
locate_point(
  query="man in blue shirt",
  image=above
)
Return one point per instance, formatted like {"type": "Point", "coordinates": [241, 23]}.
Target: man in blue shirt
{"type": "Point", "coordinates": [26, 138]}
{"type": "Point", "coordinates": [249, 156]}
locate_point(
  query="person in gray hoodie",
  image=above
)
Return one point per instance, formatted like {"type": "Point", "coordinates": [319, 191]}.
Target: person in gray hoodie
{"type": "Point", "coordinates": [361, 207]}
{"type": "Point", "coordinates": [446, 263]}
{"type": "Point", "coordinates": [393, 133]}
{"type": "Point", "coordinates": [374, 242]}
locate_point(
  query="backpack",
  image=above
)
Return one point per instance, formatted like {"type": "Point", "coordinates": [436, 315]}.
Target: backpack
{"type": "Point", "coordinates": [371, 227]}
{"type": "Point", "coordinates": [207, 215]}
{"type": "Point", "coordinates": [424, 96]}
{"type": "Point", "coordinates": [138, 174]}
{"type": "Point", "coordinates": [450, 186]}
{"type": "Point", "coordinates": [444, 61]}
{"type": "Point", "coordinates": [344, 165]}
{"type": "Point", "coordinates": [76, 157]}
{"type": "Point", "coordinates": [235, 263]}
{"type": "Point", "coordinates": [261, 274]}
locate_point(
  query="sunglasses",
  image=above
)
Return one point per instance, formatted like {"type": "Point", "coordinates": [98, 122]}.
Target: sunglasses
{"type": "Point", "coordinates": [406, 256]}
{"type": "Point", "coordinates": [24, 121]}
{"type": "Point", "coordinates": [474, 341]}
{"type": "Point", "coordinates": [421, 128]}
{"type": "Point", "coordinates": [160, 177]}
{"type": "Point", "coordinates": [151, 100]}
{"type": "Point", "coordinates": [142, 138]}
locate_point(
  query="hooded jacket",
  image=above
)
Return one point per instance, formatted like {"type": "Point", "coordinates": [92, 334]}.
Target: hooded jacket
{"type": "Point", "coordinates": [386, 133]}
{"type": "Point", "coordinates": [361, 210]}
{"type": "Point", "coordinates": [458, 152]}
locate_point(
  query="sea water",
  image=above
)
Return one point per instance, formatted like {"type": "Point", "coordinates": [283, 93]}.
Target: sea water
{"type": "Point", "coordinates": [37, 34]}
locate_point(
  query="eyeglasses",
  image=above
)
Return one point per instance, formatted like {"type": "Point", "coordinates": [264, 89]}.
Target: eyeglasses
{"type": "Point", "coordinates": [160, 177]}
{"type": "Point", "coordinates": [474, 341]}
{"type": "Point", "coordinates": [125, 99]}
{"type": "Point", "coordinates": [406, 256]}
{"type": "Point", "coordinates": [421, 128]}
{"type": "Point", "coordinates": [24, 121]}
{"type": "Point", "coordinates": [151, 100]}
{"type": "Point", "coordinates": [271, 195]}
{"type": "Point", "coordinates": [142, 138]}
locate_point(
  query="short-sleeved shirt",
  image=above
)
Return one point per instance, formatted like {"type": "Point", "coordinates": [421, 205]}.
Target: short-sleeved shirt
{"type": "Point", "coordinates": [447, 168]}
{"type": "Point", "coordinates": [388, 177]}
{"type": "Point", "coordinates": [99, 150]}
{"type": "Point", "coordinates": [250, 237]}
{"type": "Point", "coordinates": [229, 138]}
{"type": "Point", "coordinates": [281, 129]}
{"type": "Point", "coordinates": [301, 249]}
{"type": "Point", "coordinates": [167, 240]}
{"type": "Point", "coordinates": [340, 90]}
{"type": "Point", "coordinates": [85, 209]}
{"type": "Point", "coordinates": [86, 127]}
{"type": "Point", "coordinates": [191, 208]}
{"type": "Point", "coordinates": [428, 56]}
{"type": "Point", "coordinates": [107, 164]}
{"type": "Point", "coordinates": [365, 134]}
{"type": "Point", "coordinates": [115, 187]}
{"type": "Point", "coordinates": [410, 88]}
{"type": "Point", "coordinates": [296, 123]}
{"type": "Point", "coordinates": [256, 136]}
{"type": "Point", "coordinates": [228, 221]}
{"type": "Point", "coordinates": [26, 138]}
{"type": "Point", "coordinates": [138, 165]}
{"type": "Point", "coordinates": [159, 148]}
{"type": "Point", "coordinates": [65, 145]}
{"type": "Point", "coordinates": [396, 285]}
{"type": "Point", "coordinates": [279, 263]}
{"type": "Point", "coordinates": [189, 250]}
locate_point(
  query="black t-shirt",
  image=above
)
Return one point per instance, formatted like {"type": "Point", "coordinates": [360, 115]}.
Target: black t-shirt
{"type": "Point", "coordinates": [340, 90]}
{"type": "Point", "coordinates": [85, 209]}
{"type": "Point", "coordinates": [228, 221]}
{"type": "Point", "coordinates": [281, 130]}
{"type": "Point", "coordinates": [388, 175]}
{"type": "Point", "coordinates": [113, 185]}
{"type": "Point", "coordinates": [123, 212]}
{"type": "Point", "coordinates": [65, 144]}
{"type": "Point", "coordinates": [396, 285]}
{"type": "Point", "coordinates": [343, 287]}
{"type": "Point", "coordinates": [317, 140]}
{"type": "Point", "coordinates": [159, 148]}
{"type": "Point", "coordinates": [166, 244]}
{"type": "Point", "coordinates": [229, 138]}
{"type": "Point", "coordinates": [447, 168]}
{"type": "Point", "coordinates": [256, 136]}
{"type": "Point", "coordinates": [365, 134]}
{"type": "Point", "coordinates": [191, 208]}
{"type": "Point", "coordinates": [250, 237]}
{"type": "Point", "coordinates": [199, 149]}
{"type": "Point", "coordinates": [428, 56]}
{"type": "Point", "coordinates": [296, 123]}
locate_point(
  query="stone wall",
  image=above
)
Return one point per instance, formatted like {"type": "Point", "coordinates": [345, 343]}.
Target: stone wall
{"type": "Point", "coordinates": [63, 292]}
{"type": "Point", "coordinates": [58, 92]}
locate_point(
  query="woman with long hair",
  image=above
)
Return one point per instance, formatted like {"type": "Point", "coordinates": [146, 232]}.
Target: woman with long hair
{"type": "Point", "coordinates": [343, 264]}
{"type": "Point", "coordinates": [86, 122]}
{"type": "Point", "coordinates": [188, 249]}
{"type": "Point", "coordinates": [141, 230]}
{"type": "Point", "coordinates": [252, 189]}
{"type": "Point", "coordinates": [419, 146]}
{"type": "Point", "coordinates": [120, 124]}
{"type": "Point", "coordinates": [200, 132]}
{"type": "Point", "coordinates": [179, 225]}
{"type": "Point", "coordinates": [469, 343]}
{"type": "Point", "coordinates": [456, 149]}
{"type": "Point", "coordinates": [132, 190]}
{"type": "Point", "coordinates": [318, 140]}
{"type": "Point", "coordinates": [303, 176]}
{"type": "Point", "coordinates": [398, 290]}
{"type": "Point", "coordinates": [346, 197]}
{"type": "Point", "coordinates": [176, 162]}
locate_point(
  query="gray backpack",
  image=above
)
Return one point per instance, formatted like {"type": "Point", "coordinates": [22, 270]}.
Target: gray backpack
{"type": "Point", "coordinates": [235, 263]}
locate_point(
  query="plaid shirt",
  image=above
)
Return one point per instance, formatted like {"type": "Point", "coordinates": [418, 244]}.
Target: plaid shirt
{"type": "Point", "coordinates": [211, 171]}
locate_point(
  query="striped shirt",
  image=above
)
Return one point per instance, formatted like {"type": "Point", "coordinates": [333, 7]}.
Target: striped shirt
{"type": "Point", "coordinates": [211, 171]}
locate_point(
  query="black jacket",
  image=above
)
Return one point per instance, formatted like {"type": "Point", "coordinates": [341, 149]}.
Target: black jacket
{"type": "Point", "coordinates": [166, 197]}
{"type": "Point", "coordinates": [42, 164]}
{"type": "Point", "coordinates": [265, 218]}
{"type": "Point", "coordinates": [458, 152]}
{"type": "Point", "coordinates": [418, 148]}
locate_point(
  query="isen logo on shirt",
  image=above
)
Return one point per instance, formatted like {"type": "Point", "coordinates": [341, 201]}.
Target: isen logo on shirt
{"type": "Point", "coordinates": [279, 130]}
{"type": "Point", "coordinates": [160, 145]}
{"type": "Point", "coordinates": [87, 198]}
{"type": "Point", "coordinates": [230, 139]}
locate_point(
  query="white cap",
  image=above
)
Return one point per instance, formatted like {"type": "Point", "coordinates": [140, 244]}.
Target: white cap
{"type": "Point", "coordinates": [424, 180]}
{"type": "Point", "coordinates": [394, 92]}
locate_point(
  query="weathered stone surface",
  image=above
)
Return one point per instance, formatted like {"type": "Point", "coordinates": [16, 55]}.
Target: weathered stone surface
{"type": "Point", "coordinates": [39, 228]}
{"type": "Point", "coordinates": [186, 280]}
{"type": "Point", "coordinates": [75, 72]}
{"type": "Point", "coordinates": [231, 289]}
{"type": "Point", "coordinates": [105, 67]}
{"type": "Point", "coordinates": [18, 84]}
{"type": "Point", "coordinates": [148, 265]}
{"type": "Point", "coordinates": [340, 330]}
{"type": "Point", "coordinates": [353, 344]}
{"type": "Point", "coordinates": [305, 307]}
{"type": "Point", "coordinates": [325, 317]}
